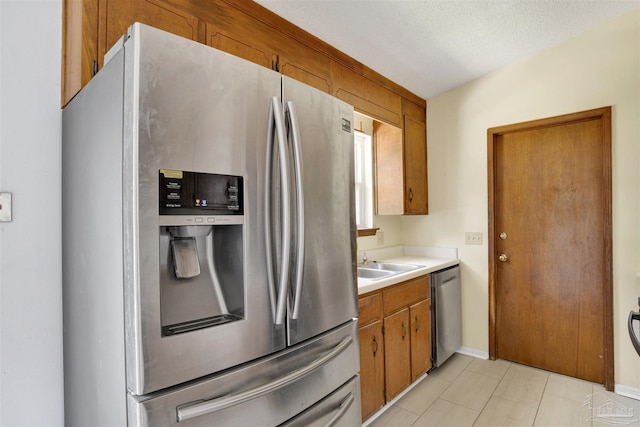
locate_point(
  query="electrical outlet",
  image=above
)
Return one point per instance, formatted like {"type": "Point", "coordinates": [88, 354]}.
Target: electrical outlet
{"type": "Point", "coordinates": [473, 238]}
{"type": "Point", "coordinates": [380, 236]}
{"type": "Point", "coordinates": [5, 207]}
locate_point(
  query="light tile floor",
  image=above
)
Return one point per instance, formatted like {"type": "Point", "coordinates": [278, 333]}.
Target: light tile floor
{"type": "Point", "coordinates": [466, 391]}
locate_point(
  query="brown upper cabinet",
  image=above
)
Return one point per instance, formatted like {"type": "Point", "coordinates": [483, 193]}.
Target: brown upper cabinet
{"type": "Point", "coordinates": [416, 200]}
{"type": "Point", "coordinates": [401, 164]}
{"type": "Point", "coordinates": [248, 30]}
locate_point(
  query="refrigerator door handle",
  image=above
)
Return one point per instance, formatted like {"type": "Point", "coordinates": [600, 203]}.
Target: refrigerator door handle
{"type": "Point", "coordinates": [276, 127]}
{"type": "Point", "coordinates": [268, 233]}
{"type": "Point", "coordinates": [294, 130]}
{"type": "Point", "coordinates": [342, 409]}
{"type": "Point", "coordinates": [204, 407]}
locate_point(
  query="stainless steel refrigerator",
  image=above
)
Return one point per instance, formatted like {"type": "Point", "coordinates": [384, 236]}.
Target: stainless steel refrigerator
{"type": "Point", "coordinates": [208, 244]}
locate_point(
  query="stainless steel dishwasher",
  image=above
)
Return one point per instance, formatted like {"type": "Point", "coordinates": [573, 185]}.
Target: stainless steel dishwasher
{"type": "Point", "coordinates": [446, 314]}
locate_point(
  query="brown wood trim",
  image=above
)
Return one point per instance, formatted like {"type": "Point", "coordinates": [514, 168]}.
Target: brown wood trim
{"type": "Point", "coordinates": [381, 80]}
{"type": "Point", "coordinates": [491, 174]}
{"type": "Point", "coordinates": [609, 365]}
{"type": "Point", "coordinates": [596, 113]}
{"type": "Point", "coordinates": [371, 109]}
{"type": "Point", "coordinates": [603, 114]}
{"type": "Point", "coordinates": [362, 232]}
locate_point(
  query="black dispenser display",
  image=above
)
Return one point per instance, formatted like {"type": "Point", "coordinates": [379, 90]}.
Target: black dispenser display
{"type": "Point", "coordinates": [194, 193]}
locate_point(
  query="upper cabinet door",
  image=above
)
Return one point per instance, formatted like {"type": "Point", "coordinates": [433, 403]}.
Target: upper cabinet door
{"type": "Point", "coordinates": [415, 162]}
{"type": "Point", "coordinates": [240, 46]}
{"type": "Point", "coordinates": [401, 168]}
{"type": "Point", "coordinates": [306, 66]}
{"type": "Point", "coordinates": [156, 13]}
{"type": "Point", "coordinates": [389, 169]}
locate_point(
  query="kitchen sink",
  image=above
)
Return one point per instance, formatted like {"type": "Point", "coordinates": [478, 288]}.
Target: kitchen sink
{"type": "Point", "coordinates": [369, 273]}
{"type": "Point", "coordinates": [380, 270]}
{"type": "Point", "coordinates": [391, 266]}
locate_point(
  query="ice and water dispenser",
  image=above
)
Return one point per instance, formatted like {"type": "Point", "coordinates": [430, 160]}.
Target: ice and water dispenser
{"type": "Point", "coordinates": [201, 250]}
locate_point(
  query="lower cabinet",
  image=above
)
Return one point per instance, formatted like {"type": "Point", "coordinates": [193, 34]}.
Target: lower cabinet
{"type": "Point", "coordinates": [371, 368]}
{"type": "Point", "coordinates": [397, 355]}
{"type": "Point", "coordinates": [395, 341]}
{"type": "Point", "coordinates": [420, 314]}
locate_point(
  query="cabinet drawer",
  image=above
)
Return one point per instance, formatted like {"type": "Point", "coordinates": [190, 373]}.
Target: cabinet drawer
{"type": "Point", "coordinates": [369, 308]}
{"type": "Point", "coordinates": [406, 293]}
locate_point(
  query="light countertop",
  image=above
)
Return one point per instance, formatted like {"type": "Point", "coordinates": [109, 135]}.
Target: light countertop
{"type": "Point", "coordinates": [431, 259]}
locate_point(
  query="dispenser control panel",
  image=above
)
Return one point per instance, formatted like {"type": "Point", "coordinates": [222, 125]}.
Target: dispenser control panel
{"type": "Point", "coordinates": [195, 193]}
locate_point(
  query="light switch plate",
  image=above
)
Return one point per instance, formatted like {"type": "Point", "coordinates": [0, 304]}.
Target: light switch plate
{"type": "Point", "coordinates": [473, 238]}
{"type": "Point", "coordinates": [5, 207]}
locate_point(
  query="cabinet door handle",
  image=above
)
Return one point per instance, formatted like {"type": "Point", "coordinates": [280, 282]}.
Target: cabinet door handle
{"type": "Point", "coordinates": [375, 348]}
{"type": "Point", "coordinates": [410, 194]}
{"type": "Point", "coordinates": [404, 330]}
{"type": "Point", "coordinates": [417, 323]}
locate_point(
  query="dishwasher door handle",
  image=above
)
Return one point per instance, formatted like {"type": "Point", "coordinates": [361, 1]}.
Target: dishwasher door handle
{"type": "Point", "coordinates": [449, 279]}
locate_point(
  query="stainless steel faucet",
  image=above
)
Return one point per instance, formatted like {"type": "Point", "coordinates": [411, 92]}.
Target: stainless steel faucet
{"type": "Point", "coordinates": [364, 258]}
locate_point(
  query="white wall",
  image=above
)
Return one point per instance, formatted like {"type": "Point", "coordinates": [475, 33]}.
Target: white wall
{"type": "Point", "coordinates": [598, 68]}
{"type": "Point", "coordinates": [390, 226]}
{"type": "Point", "coordinates": [31, 384]}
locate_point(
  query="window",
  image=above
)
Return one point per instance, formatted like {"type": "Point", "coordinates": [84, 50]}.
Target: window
{"type": "Point", "coordinates": [364, 180]}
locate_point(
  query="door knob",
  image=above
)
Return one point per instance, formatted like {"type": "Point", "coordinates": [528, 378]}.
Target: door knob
{"type": "Point", "coordinates": [503, 258]}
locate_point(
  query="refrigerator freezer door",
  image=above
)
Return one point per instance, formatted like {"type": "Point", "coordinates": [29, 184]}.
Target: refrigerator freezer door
{"type": "Point", "coordinates": [340, 409]}
{"type": "Point", "coordinates": [328, 295]}
{"type": "Point", "coordinates": [266, 393]}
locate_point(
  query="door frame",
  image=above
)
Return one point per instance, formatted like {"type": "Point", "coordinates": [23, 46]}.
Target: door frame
{"type": "Point", "coordinates": [603, 114]}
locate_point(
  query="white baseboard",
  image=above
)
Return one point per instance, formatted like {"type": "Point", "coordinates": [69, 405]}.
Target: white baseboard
{"type": "Point", "coordinates": [473, 352]}
{"type": "Point", "coordinates": [625, 390]}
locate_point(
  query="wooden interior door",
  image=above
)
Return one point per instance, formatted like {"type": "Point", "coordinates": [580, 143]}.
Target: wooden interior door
{"type": "Point", "coordinates": [550, 279]}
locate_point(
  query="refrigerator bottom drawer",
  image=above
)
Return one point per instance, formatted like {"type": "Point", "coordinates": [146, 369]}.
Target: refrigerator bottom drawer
{"type": "Point", "coordinates": [340, 409]}
{"type": "Point", "coordinates": [267, 392]}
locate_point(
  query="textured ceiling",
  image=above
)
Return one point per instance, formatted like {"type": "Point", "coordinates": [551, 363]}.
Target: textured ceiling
{"type": "Point", "coordinates": [432, 46]}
